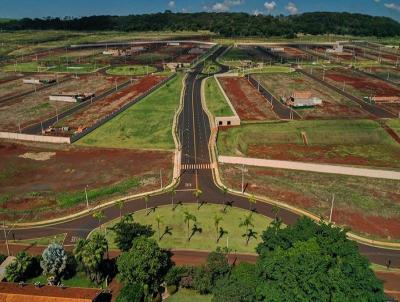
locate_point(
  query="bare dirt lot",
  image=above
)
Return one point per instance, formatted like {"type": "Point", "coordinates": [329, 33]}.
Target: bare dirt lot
{"type": "Point", "coordinates": [334, 105]}
{"type": "Point", "coordinates": [34, 107]}
{"type": "Point", "coordinates": [249, 104]}
{"type": "Point", "coordinates": [45, 180]}
{"type": "Point", "coordinates": [98, 110]}
{"type": "Point", "coordinates": [358, 85]}
{"type": "Point", "coordinates": [366, 205]}
{"type": "Point", "coordinates": [17, 87]}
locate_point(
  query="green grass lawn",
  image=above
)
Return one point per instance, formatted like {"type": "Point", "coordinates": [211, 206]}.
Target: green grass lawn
{"type": "Point", "coordinates": [132, 70]}
{"type": "Point", "coordinates": [149, 58]}
{"type": "Point", "coordinates": [145, 125]}
{"type": "Point", "coordinates": [43, 240]}
{"type": "Point", "coordinates": [270, 69]}
{"type": "Point", "coordinates": [38, 67]}
{"type": "Point", "coordinates": [75, 68]}
{"type": "Point", "coordinates": [186, 295]}
{"type": "Point", "coordinates": [206, 240]}
{"type": "Point", "coordinates": [79, 280]}
{"type": "Point", "coordinates": [395, 125]}
{"type": "Point", "coordinates": [25, 67]}
{"type": "Point", "coordinates": [210, 67]}
{"type": "Point", "coordinates": [215, 100]}
{"type": "Point", "coordinates": [328, 139]}
{"type": "Point", "coordinates": [367, 205]}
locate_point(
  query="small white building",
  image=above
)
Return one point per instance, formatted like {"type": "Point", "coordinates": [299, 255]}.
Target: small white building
{"type": "Point", "coordinates": [300, 99]}
{"type": "Point", "coordinates": [36, 81]}
{"type": "Point", "coordinates": [71, 97]}
{"type": "Point", "coordinates": [337, 48]}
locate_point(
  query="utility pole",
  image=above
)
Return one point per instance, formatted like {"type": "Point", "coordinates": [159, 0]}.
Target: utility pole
{"type": "Point", "coordinates": [242, 179]}
{"type": "Point", "coordinates": [5, 238]}
{"type": "Point", "coordinates": [333, 201]}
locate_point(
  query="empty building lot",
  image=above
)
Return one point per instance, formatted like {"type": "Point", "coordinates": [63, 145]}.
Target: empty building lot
{"type": "Point", "coordinates": [87, 116]}
{"type": "Point", "coordinates": [249, 104]}
{"type": "Point", "coordinates": [43, 181]}
{"type": "Point", "coordinates": [36, 106]}
{"type": "Point", "coordinates": [369, 206]}
{"type": "Point", "coordinates": [333, 104]}
{"type": "Point", "coordinates": [345, 142]}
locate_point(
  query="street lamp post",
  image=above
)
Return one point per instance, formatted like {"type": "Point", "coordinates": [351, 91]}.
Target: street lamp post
{"type": "Point", "coordinates": [86, 195]}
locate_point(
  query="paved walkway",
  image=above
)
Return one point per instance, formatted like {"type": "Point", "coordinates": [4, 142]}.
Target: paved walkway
{"type": "Point", "coordinates": [320, 168]}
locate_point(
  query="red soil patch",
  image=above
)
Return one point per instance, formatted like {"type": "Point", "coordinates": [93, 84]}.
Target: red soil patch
{"type": "Point", "coordinates": [365, 84]}
{"type": "Point", "coordinates": [369, 224]}
{"type": "Point", "coordinates": [294, 52]}
{"type": "Point", "coordinates": [72, 168]}
{"type": "Point", "coordinates": [248, 102]}
{"type": "Point", "coordinates": [100, 109]}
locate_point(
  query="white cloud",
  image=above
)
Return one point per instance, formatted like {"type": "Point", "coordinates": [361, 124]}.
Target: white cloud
{"type": "Point", "coordinates": [270, 6]}
{"type": "Point", "coordinates": [226, 5]}
{"type": "Point", "coordinates": [257, 12]}
{"type": "Point", "coordinates": [292, 8]}
{"type": "Point", "coordinates": [393, 6]}
{"type": "Point", "coordinates": [171, 4]}
{"type": "Point", "coordinates": [220, 7]}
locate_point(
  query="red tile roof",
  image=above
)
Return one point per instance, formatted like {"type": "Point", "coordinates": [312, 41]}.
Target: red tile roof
{"type": "Point", "coordinates": [13, 292]}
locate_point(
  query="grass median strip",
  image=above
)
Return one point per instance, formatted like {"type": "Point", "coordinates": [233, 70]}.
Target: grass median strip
{"type": "Point", "coordinates": [145, 125]}
{"type": "Point", "coordinates": [131, 70]}
{"type": "Point", "coordinates": [215, 100]}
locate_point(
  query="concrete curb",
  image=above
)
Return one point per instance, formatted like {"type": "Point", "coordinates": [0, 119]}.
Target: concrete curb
{"type": "Point", "coordinates": [112, 202]}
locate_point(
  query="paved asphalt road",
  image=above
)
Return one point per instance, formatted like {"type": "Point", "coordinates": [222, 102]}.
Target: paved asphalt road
{"type": "Point", "coordinates": [194, 130]}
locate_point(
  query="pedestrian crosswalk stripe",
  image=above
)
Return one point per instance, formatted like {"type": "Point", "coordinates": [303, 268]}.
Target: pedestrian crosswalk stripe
{"type": "Point", "coordinates": [196, 166]}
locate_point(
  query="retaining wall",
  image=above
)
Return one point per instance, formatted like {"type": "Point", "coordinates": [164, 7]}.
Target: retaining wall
{"type": "Point", "coordinates": [35, 138]}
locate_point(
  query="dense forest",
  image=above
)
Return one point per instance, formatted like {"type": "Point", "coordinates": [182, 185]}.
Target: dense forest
{"type": "Point", "coordinates": [225, 24]}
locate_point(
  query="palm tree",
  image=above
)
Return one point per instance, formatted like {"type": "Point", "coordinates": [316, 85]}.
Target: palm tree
{"type": "Point", "coordinates": [101, 242]}
{"type": "Point", "coordinates": [120, 205]}
{"type": "Point", "coordinates": [99, 216]}
{"type": "Point", "coordinates": [173, 193]}
{"type": "Point", "coordinates": [247, 221]}
{"type": "Point", "coordinates": [252, 200]}
{"type": "Point", "coordinates": [159, 221]}
{"type": "Point", "coordinates": [217, 220]}
{"type": "Point", "coordinates": [189, 217]}
{"type": "Point", "coordinates": [250, 233]}
{"type": "Point", "coordinates": [197, 193]}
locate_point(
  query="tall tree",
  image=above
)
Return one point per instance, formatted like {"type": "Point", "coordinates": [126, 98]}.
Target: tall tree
{"type": "Point", "coordinates": [127, 230]}
{"type": "Point", "coordinates": [308, 261]}
{"type": "Point", "coordinates": [90, 254]}
{"type": "Point", "coordinates": [146, 264]}
{"type": "Point", "coordinates": [19, 268]}
{"type": "Point", "coordinates": [54, 261]}
{"type": "Point", "coordinates": [188, 217]}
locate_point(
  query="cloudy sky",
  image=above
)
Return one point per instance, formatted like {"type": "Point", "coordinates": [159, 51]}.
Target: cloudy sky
{"type": "Point", "coordinates": [43, 8]}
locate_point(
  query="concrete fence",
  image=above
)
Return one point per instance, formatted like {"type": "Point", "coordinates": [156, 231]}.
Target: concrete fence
{"type": "Point", "coordinates": [35, 138]}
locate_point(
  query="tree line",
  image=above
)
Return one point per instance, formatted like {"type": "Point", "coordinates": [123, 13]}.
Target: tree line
{"type": "Point", "coordinates": [224, 24]}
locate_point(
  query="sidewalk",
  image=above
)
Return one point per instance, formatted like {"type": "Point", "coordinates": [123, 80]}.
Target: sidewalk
{"type": "Point", "coordinates": [319, 168]}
